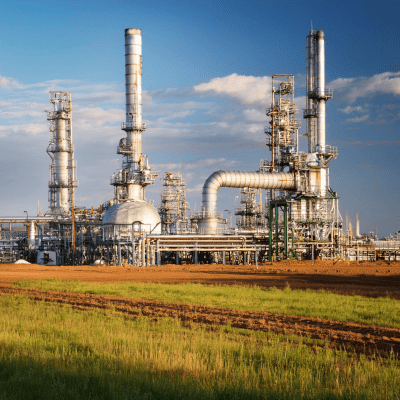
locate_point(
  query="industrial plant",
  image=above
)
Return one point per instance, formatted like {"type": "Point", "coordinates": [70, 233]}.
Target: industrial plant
{"type": "Point", "coordinates": [288, 210]}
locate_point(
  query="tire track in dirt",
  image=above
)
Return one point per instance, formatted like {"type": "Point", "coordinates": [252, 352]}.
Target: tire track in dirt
{"type": "Point", "coordinates": [358, 338]}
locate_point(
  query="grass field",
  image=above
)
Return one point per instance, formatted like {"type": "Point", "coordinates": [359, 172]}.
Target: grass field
{"type": "Point", "coordinates": [382, 311]}
{"type": "Point", "coordinates": [49, 351]}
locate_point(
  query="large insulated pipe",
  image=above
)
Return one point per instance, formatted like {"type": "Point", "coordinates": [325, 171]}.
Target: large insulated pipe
{"type": "Point", "coordinates": [240, 179]}
{"type": "Point", "coordinates": [321, 90]}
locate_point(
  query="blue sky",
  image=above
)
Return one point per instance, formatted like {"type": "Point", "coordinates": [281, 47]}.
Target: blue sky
{"type": "Point", "coordinates": [206, 81]}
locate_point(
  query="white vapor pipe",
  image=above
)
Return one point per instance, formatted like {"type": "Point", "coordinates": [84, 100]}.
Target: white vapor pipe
{"type": "Point", "coordinates": [321, 115]}
{"type": "Point", "coordinates": [240, 179]}
{"type": "Point", "coordinates": [133, 91]}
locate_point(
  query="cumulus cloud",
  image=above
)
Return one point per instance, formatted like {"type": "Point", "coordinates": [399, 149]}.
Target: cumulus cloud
{"type": "Point", "coordinates": [26, 129]}
{"type": "Point", "coordinates": [350, 109]}
{"type": "Point", "coordinates": [245, 89]}
{"type": "Point", "coordinates": [354, 88]}
{"type": "Point", "coordinates": [8, 82]}
{"type": "Point", "coordinates": [195, 190]}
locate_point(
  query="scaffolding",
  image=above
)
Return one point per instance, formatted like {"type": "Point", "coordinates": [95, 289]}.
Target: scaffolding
{"type": "Point", "coordinates": [173, 207]}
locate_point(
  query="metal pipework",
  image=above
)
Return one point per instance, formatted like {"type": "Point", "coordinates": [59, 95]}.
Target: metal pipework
{"type": "Point", "coordinates": [240, 179]}
{"type": "Point", "coordinates": [272, 180]}
{"type": "Point", "coordinates": [320, 37]}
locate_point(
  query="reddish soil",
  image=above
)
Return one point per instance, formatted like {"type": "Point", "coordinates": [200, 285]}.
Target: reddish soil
{"type": "Point", "coordinates": [367, 279]}
{"type": "Point", "coordinates": [349, 336]}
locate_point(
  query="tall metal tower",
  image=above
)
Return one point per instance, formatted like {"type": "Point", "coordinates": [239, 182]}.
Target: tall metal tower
{"type": "Point", "coordinates": [135, 174]}
{"type": "Point", "coordinates": [61, 151]}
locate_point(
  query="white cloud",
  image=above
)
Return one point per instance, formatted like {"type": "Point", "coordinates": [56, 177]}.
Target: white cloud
{"type": "Point", "coordinates": [350, 109]}
{"type": "Point", "coordinates": [8, 82]}
{"type": "Point", "coordinates": [195, 190]}
{"type": "Point", "coordinates": [357, 119]}
{"type": "Point", "coordinates": [28, 129]}
{"type": "Point", "coordinates": [245, 89]}
{"type": "Point", "coordinates": [354, 88]}
{"type": "Point", "coordinates": [255, 115]}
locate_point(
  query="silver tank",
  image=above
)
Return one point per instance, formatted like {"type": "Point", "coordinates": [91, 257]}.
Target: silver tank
{"type": "Point", "coordinates": [131, 211]}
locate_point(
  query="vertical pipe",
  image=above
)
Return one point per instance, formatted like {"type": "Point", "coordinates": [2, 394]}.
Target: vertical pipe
{"type": "Point", "coordinates": [143, 250]}
{"type": "Point", "coordinates": [148, 253]}
{"type": "Point", "coordinates": [119, 253]}
{"type": "Point", "coordinates": [276, 232]}
{"type": "Point", "coordinates": [223, 258]}
{"type": "Point", "coordinates": [285, 229]}
{"type": "Point", "coordinates": [158, 255]}
{"type": "Point", "coordinates": [271, 213]}
{"type": "Point", "coordinates": [177, 258]}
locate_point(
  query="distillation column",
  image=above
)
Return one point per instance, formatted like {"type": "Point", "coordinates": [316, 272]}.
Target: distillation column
{"type": "Point", "coordinates": [62, 169]}
{"type": "Point", "coordinates": [130, 210]}
{"type": "Point", "coordinates": [135, 174]}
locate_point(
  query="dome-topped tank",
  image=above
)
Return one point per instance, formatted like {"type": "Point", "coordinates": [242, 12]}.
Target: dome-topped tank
{"type": "Point", "coordinates": [123, 215]}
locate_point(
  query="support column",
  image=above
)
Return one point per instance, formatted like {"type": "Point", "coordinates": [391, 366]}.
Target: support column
{"type": "Point", "coordinates": [285, 229]}
{"type": "Point", "coordinates": [271, 213]}
{"type": "Point", "coordinates": [119, 253]}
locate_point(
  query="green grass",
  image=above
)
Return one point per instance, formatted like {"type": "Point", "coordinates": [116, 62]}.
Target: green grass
{"type": "Point", "coordinates": [382, 311]}
{"type": "Point", "coordinates": [48, 351]}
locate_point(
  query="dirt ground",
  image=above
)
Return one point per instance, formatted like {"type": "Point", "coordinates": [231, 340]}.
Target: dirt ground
{"type": "Point", "coordinates": [372, 279]}
{"type": "Point", "coordinates": [367, 279]}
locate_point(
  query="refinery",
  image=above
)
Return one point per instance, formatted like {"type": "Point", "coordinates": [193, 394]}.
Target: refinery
{"type": "Point", "coordinates": [288, 210]}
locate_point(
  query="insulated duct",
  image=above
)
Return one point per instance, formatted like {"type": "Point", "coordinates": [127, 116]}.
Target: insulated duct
{"type": "Point", "coordinates": [238, 179]}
